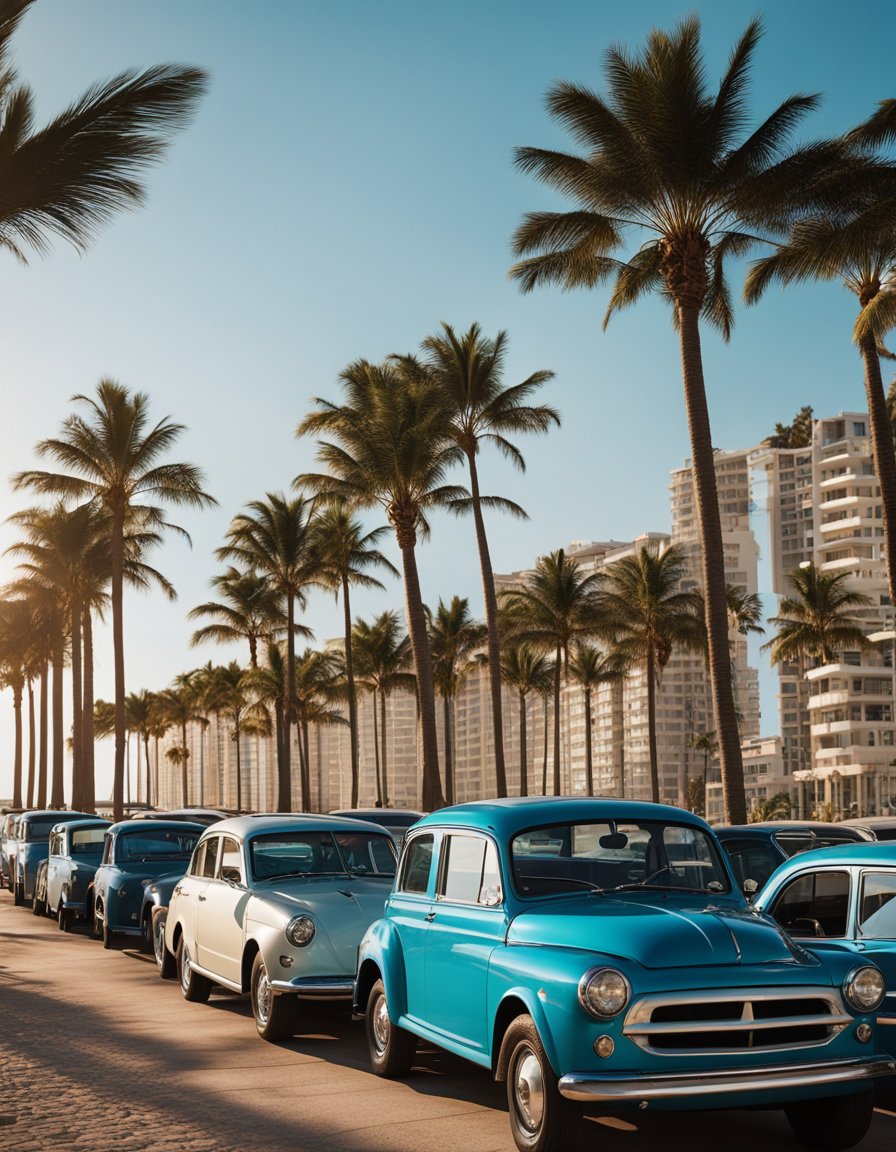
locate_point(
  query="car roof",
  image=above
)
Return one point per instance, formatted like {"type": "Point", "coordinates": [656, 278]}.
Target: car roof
{"type": "Point", "coordinates": [44, 813]}
{"type": "Point", "coordinates": [763, 828]}
{"type": "Point", "coordinates": [244, 826]}
{"type": "Point", "coordinates": [388, 817]}
{"type": "Point", "coordinates": [149, 826]}
{"type": "Point", "coordinates": [88, 822]}
{"type": "Point", "coordinates": [862, 853]}
{"type": "Point", "coordinates": [512, 814]}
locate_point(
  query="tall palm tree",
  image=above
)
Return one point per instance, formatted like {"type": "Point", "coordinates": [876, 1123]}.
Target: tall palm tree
{"type": "Point", "coordinates": [16, 620]}
{"type": "Point", "coordinates": [71, 176]}
{"type": "Point", "coordinates": [180, 705]}
{"type": "Point", "coordinates": [115, 462]}
{"type": "Point", "coordinates": [140, 710]}
{"type": "Point", "coordinates": [229, 693]}
{"type": "Point", "coordinates": [558, 606]}
{"type": "Point", "coordinates": [383, 656]}
{"type": "Point", "coordinates": [390, 447]}
{"type": "Point", "coordinates": [525, 669]}
{"type": "Point", "coordinates": [454, 637]}
{"type": "Point", "coordinates": [817, 622]}
{"type": "Point", "coordinates": [667, 161]}
{"type": "Point", "coordinates": [318, 688]}
{"type": "Point", "coordinates": [249, 609]}
{"type": "Point", "coordinates": [649, 615]}
{"type": "Point", "coordinates": [344, 553]}
{"type": "Point", "coordinates": [589, 667]}
{"type": "Point", "coordinates": [470, 369]}
{"type": "Point", "coordinates": [273, 536]}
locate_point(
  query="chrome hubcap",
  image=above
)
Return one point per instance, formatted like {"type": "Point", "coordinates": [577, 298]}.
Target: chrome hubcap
{"type": "Point", "coordinates": [185, 969]}
{"type": "Point", "coordinates": [528, 1089]}
{"type": "Point", "coordinates": [263, 996]}
{"type": "Point", "coordinates": [158, 941]}
{"type": "Point", "coordinates": [381, 1024]}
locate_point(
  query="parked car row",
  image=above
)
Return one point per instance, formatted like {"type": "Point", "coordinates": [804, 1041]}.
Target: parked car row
{"type": "Point", "coordinates": [585, 951]}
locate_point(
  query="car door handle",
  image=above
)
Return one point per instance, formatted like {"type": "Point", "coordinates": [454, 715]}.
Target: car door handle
{"type": "Point", "coordinates": [202, 898]}
{"type": "Point", "coordinates": [430, 917]}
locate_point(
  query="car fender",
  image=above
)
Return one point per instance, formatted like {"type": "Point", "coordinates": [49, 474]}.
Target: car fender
{"type": "Point", "coordinates": [381, 957]}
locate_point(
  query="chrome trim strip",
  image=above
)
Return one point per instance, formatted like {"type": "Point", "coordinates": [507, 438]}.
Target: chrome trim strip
{"type": "Point", "coordinates": [317, 987]}
{"type": "Point", "coordinates": [739, 1025]}
{"type": "Point", "coordinates": [886, 1020]}
{"type": "Point", "coordinates": [588, 1087]}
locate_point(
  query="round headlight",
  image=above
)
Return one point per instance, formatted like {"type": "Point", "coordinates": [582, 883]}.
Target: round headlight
{"type": "Point", "coordinates": [300, 931]}
{"type": "Point", "coordinates": [604, 992]}
{"type": "Point", "coordinates": [864, 988]}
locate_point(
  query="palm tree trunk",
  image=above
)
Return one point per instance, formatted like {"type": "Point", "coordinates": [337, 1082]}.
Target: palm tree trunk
{"type": "Point", "coordinates": [149, 791]}
{"type": "Point", "coordinates": [57, 788]}
{"type": "Point", "coordinates": [350, 683]}
{"type": "Point", "coordinates": [87, 726]}
{"type": "Point", "coordinates": [127, 768]}
{"type": "Point", "coordinates": [183, 764]}
{"type": "Point", "coordinates": [432, 797]}
{"type": "Point", "coordinates": [524, 752]}
{"type": "Point", "coordinates": [306, 778]}
{"type": "Point", "coordinates": [883, 450]}
{"type": "Point", "coordinates": [17, 762]}
{"type": "Point", "coordinates": [29, 792]}
{"type": "Point", "coordinates": [713, 559]}
{"type": "Point", "coordinates": [376, 753]}
{"type": "Point", "coordinates": [589, 767]}
{"type": "Point", "coordinates": [284, 782]}
{"type": "Point", "coordinates": [557, 672]}
{"type": "Point", "coordinates": [449, 762]}
{"type": "Point", "coordinates": [303, 796]}
{"type": "Point", "coordinates": [385, 755]}
{"type": "Point", "coordinates": [118, 657]}
{"type": "Point", "coordinates": [239, 767]}
{"type": "Point", "coordinates": [651, 726]}
{"type": "Point", "coordinates": [491, 623]}
{"type": "Point", "coordinates": [544, 763]}
{"type": "Point", "coordinates": [40, 799]}
{"type": "Point", "coordinates": [77, 732]}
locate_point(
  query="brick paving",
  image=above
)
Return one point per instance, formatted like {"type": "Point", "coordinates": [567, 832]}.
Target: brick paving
{"type": "Point", "coordinates": [98, 1054]}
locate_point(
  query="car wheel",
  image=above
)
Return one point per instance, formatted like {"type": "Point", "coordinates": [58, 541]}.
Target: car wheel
{"type": "Point", "coordinates": [164, 960]}
{"type": "Point", "coordinates": [392, 1049]}
{"type": "Point", "coordinates": [541, 1120]}
{"type": "Point", "coordinates": [275, 1016]}
{"type": "Point", "coordinates": [63, 918]}
{"type": "Point", "coordinates": [37, 906]}
{"type": "Point", "coordinates": [195, 988]}
{"type": "Point", "coordinates": [832, 1124]}
{"type": "Point", "coordinates": [105, 930]}
{"type": "Point", "coordinates": [18, 894]}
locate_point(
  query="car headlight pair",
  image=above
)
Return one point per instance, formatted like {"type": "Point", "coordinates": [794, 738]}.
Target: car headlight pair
{"type": "Point", "coordinates": [300, 931]}
{"type": "Point", "coordinates": [604, 992]}
{"type": "Point", "coordinates": [864, 988]}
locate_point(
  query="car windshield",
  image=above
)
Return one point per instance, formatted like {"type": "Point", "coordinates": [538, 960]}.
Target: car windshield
{"type": "Point", "coordinates": [156, 844]}
{"type": "Point", "coordinates": [614, 856]}
{"type": "Point", "coordinates": [299, 853]}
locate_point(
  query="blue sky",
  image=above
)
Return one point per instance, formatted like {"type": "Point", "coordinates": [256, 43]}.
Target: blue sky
{"type": "Point", "coordinates": [346, 186]}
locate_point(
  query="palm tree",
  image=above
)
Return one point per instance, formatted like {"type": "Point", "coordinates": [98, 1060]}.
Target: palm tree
{"type": "Point", "coordinates": [649, 616]}
{"type": "Point", "coordinates": [249, 609]}
{"type": "Point", "coordinates": [391, 448]}
{"type": "Point", "coordinates": [666, 160]}
{"type": "Point", "coordinates": [383, 655]}
{"type": "Point", "coordinates": [140, 710]}
{"type": "Point", "coordinates": [71, 176]}
{"type": "Point", "coordinates": [470, 370]}
{"type": "Point", "coordinates": [817, 623]}
{"type": "Point", "coordinates": [273, 537]}
{"type": "Point", "coordinates": [526, 670]}
{"type": "Point", "coordinates": [776, 807]}
{"type": "Point", "coordinates": [344, 553]}
{"type": "Point", "coordinates": [590, 667]}
{"type": "Point", "coordinates": [453, 636]}
{"type": "Point", "coordinates": [557, 607]}
{"type": "Point", "coordinates": [113, 462]}
{"type": "Point", "coordinates": [229, 693]}
{"type": "Point", "coordinates": [180, 705]}
{"type": "Point", "coordinates": [318, 688]}
{"type": "Point", "coordinates": [16, 619]}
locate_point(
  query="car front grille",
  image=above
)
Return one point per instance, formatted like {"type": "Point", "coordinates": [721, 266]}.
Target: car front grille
{"type": "Point", "coordinates": [743, 1020]}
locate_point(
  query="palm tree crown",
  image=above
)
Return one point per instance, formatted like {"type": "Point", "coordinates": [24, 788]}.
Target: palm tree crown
{"type": "Point", "coordinates": [817, 622]}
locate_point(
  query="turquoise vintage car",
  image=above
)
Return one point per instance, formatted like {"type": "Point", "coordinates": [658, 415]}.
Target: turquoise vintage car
{"type": "Point", "coordinates": [599, 951]}
{"type": "Point", "coordinates": [135, 854]}
{"type": "Point", "coordinates": [843, 901]}
{"type": "Point", "coordinates": [75, 851]}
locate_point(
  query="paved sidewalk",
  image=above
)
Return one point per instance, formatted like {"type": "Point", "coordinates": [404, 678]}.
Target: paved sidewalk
{"type": "Point", "coordinates": [97, 1054]}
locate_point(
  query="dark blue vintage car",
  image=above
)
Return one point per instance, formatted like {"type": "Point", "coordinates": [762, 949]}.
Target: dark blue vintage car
{"type": "Point", "coordinates": [756, 850]}
{"type": "Point", "coordinates": [31, 845]}
{"type": "Point", "coordinates": [136, 853]}
{"type": "Point", "coordinates": [601, 952]}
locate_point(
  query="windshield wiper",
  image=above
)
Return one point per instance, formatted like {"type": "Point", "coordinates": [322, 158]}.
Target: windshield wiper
{"type": "Point", "coordinates": [642, 884]}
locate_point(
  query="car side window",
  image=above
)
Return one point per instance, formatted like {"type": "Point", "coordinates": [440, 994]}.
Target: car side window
{"type": "Point", "coordinates": [751, 860]}
{"type": "Point", "coordinates": [230, 863]}
{"type": "Point", "coordinates": [814, 904]}
{"type": "Point", "coordinates": [877, 906]}
{"type": "Point", "coordinates": [470, 874]}
{"type": "Point", "coordinates": [416, 866]}
{"type": "Point", "coordinates": [210, 857]}
{"type": "Point", "coordinates": [107, 849]}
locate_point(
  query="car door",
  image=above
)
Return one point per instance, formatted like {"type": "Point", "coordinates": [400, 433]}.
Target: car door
{"type": "Point", "coordinates": [190, 890]}
{"type": "Point", "coordinates": [54, 863]}
{"type": "Point", "coordinates": [468, 923]}
{"type": "Point", "coordinates": [876, 933]}
{"type": "Point", "coordinates": [410, 911]}
{"type": "Point", "coordinates": [221, 914]}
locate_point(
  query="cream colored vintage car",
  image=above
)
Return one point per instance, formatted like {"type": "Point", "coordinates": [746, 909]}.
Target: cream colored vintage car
{"type": "Point", "coordinates": [276, 906]}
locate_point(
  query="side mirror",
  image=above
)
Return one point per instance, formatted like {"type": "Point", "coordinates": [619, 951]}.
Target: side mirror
{"type": "Point", "coordinates": [231, 875]}
{"type": "Point", "coordinates": [750, 888]}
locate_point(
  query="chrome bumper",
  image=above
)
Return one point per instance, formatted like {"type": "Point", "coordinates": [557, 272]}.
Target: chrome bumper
{"type": "Point", "coordinates": [317, 987]}
{"type": "Point", "coordinates": [674, 1085]}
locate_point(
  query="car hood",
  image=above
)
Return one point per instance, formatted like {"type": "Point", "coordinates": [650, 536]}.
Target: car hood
{"type": "Point", "coordinates": [662, 932]}
{"type": "Point", "coordinates": [330, 896]}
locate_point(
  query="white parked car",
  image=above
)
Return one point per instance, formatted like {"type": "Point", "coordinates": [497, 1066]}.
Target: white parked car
{"type": "Point", "coordinates": [276, 906]}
